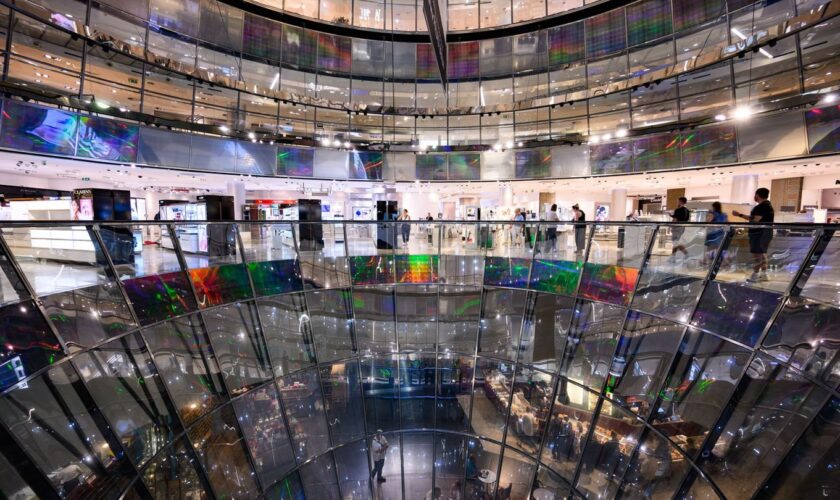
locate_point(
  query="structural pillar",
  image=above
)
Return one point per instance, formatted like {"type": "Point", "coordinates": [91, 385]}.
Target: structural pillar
{"type": "Point", "coordinates": [618, 204]}
{"type": "Point", "coordinates": [237, 190]}
{"type": "Point", "coordinates": [743, 188]}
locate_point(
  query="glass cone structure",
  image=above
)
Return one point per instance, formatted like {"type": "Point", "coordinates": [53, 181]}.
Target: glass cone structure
{"type": "Point", "coordinates": [498, 360]}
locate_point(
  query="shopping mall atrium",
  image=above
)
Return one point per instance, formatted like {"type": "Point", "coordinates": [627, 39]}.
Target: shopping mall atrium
{"type": "Point", "coordinates": [419, 249]}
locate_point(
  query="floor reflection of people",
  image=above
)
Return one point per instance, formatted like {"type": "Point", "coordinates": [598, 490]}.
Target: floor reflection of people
{"type": "Point", "coordinates": [379, 447]}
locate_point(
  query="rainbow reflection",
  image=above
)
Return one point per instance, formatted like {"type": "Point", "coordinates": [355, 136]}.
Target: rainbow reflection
{"type": "Point", "coordinates": [372, 270]}
{"type": "Point", "coordinates": [555, 276]}
{"type": "Point", "coordinates": [613, 284]}
{"type": "Point", "coordinates": [221, 284]}
{"type": "Point", "coordinates": [502, 271]}
{"type": "Point", "coordinates": [275, 276]}
{"type": "Point", "coordinates": [156, 298]}
{"type": "Point", "coordinates": [417, 268]}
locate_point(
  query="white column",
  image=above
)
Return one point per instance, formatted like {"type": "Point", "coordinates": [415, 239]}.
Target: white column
{"type": "Point", "coordinates": [743, 188]}
{"type": "Point", "coordinates": [618, 204]}
{"type": "Point", "coordinates": [237, 190]}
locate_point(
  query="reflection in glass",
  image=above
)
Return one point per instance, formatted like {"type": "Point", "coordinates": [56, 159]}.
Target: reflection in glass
{"type": "Point", "coordinates": [288, 332]}
{"type": "Point", "coordinates": [189, 369]}
{"type": "Point", "coordinates": [606, 454]}
{"type": "Point", "coordinates": [543, 337]}
{"type": "Point", "coordinates": [656, 471]}
{"type": "Point", "coordinates": [702, 379]}
{"type": "Point", "coordinates": [642, 360]}
{"type": "Point", "coordinates": [381, 392]}
{"type": "Point", "coordinates": [87, 316]}
{"type": "Point", "coordinates": [353, 470]}
{"type": "Point", "coordinates": [449, 463]}
{"type": "Point", "coordinates": [121, 378]}
{"type": "Point", "coordinates": [737, 312]}
{"type": "Point", "coordinates": [533, 391]}
{"type": "Point", "coordinates": [319, 479]}
{"type": "Point", "coordinates": [454, 389]}
{"type": "Point", "coordinates": [416, 307]}
{"type": "Point", "coordinates": [772, 405]}
{"type": "Point", "coordinates": [265, 433]}
{"type": "Point", "coordinates": [590, 343]}
{"type": "Point", "coordinates": [491, 397]}
{"type": "Point", "coordinates": [237, 341]}
{"type": "Point", "coordinates": [805, 335]}
{"type": "Point", "coordinates": [516, 475]}
{"type": "Point", "coordinates": [331, 317]}
{"type": "Point", "coordinates": [172, 473]}
{"type": "Point", "coordinates": [221, 450]}
{"type": "Point", "coordinates": [501, 322]}
{"type": "Point", "coordinates": [417, 462]}
{"type": "Point", "coordinates": [417, 391]}
{"type": "Point", "coordinates": [374, 310]}
{"type": "Point", "coordinates": [28, 344]}
{"type": "Point", "coordinates": [51, 419]}
{"type": "Point", "coordinates": [342, 387]}
{"type": "Point", "coordinates": [304, 406]}
{"type": "Point", "coordinates": [458, 312]}
{"type": "Point", "coordinates": [810, 469]}
{"type": "Point", "coordinates": [568, 428]}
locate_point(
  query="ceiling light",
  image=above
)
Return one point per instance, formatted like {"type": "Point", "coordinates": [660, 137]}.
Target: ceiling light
{"type": "Point", "coordinates": [325, 141]}
{"type": "Point", "coordinates": [519, 144]}
{"type": "Point", "coordinates": [337, 143]}
{"type": "Point", "coordinates": [607, 136]}
{"type": "Point", "coordinates": [829, 99]}
{"type": "Point", "coordinates": [509, 144]}
{"type": "Point", "coordinates": [224, 128]}
{"type": "Point", "coordinates": [100, 104]}
{"type": "Point", "coordinates": [346, 144]}
{"type": "Point", "coordinates": [622, 132]}
{"type": "Point", "coordinates": [595, 139]}
{"type": "Point", "coordinates": [252, 135]}
{"type": "Point", "coordinates": [742, 113]}
{"type": "Point", "coordinates": [720, 117]}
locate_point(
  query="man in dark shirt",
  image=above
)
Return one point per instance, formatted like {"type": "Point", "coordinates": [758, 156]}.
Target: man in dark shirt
{"type": "Point", "coordinates": [580, 229]}
{"type": "Point", "coordinates": [760, 238]}
{"type": "Point", "coordinates": [681, 214]}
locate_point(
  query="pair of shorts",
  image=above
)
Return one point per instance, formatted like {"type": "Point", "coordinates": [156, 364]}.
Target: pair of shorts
{"type": "Point", "coordinates": [677, 233]}
{"type": "Point", "coordinates": [760, 241]}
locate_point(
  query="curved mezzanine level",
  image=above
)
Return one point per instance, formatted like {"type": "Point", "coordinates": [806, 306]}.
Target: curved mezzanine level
{"type": "Point", "coordinates": [283, 82]}
{"type": "Point", "coordinates": [283, 347]}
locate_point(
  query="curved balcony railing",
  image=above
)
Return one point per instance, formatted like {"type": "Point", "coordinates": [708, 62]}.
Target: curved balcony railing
{"type": "Point", "coordinates": [257, 358]}
{"type": "Point", "coordinates": [48, 131]}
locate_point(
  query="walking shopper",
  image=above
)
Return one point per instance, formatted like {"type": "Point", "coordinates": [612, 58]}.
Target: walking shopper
{"type": "Point", "coordinates": [379, 447]}
{"type": "Point", "coordinates": [681, 214]}
{"type": "Point", "coordinates": [551, 228]}
{"type": "Point", "coordinates": [714, 235]}
{"type": "Point", "coordinates": [760, 238]}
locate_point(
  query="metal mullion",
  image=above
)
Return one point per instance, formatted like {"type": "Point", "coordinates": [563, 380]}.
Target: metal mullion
{"type": "Point", "coordinates": [176, 243]}
{"type": "Point", "coordinates": [437, 360]}
{"type": "Point", "coordinates": [544, 439]}
{"type": "Point", "coordinates": [317, 366]}
{"type": "Point", "coordinates": [648, 420]}
{"type": "Point", "coordinates": [595, 411]}
{"type": "Point", "coordinates": [83, 62]}
{"type": "Point", "coordinates": [8, 44]}
{"type": "Point", "coordinates": [714, 432]}
{"type": "Point", "coordinates": [261, 336]}
{"type": "Point", "coordinates": [516, 364]}
{"type": "Point", "coordinates": [25, 466]}
{"type": "Point", "coordinates": [795, 441]}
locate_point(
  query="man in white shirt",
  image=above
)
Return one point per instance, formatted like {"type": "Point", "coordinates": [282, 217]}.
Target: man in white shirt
{"type": "Point", "coordinates": [551, 229]}
{"type": "Point", "coordinates": [379, 447]}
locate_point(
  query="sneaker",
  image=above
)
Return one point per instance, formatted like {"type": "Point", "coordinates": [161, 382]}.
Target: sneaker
{"type": "Point", "coordinates": [763, 276]}
{"type": "Point", "coordinates": [381, 480]}
{"type": "Point", "coordinates": [754, 278]}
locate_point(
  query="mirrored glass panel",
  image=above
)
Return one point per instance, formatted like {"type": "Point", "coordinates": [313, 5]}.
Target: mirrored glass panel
{"type": "Point", "coordinates": [187, 365]}
{"type": "Point", "coordinates": [122, 379]}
